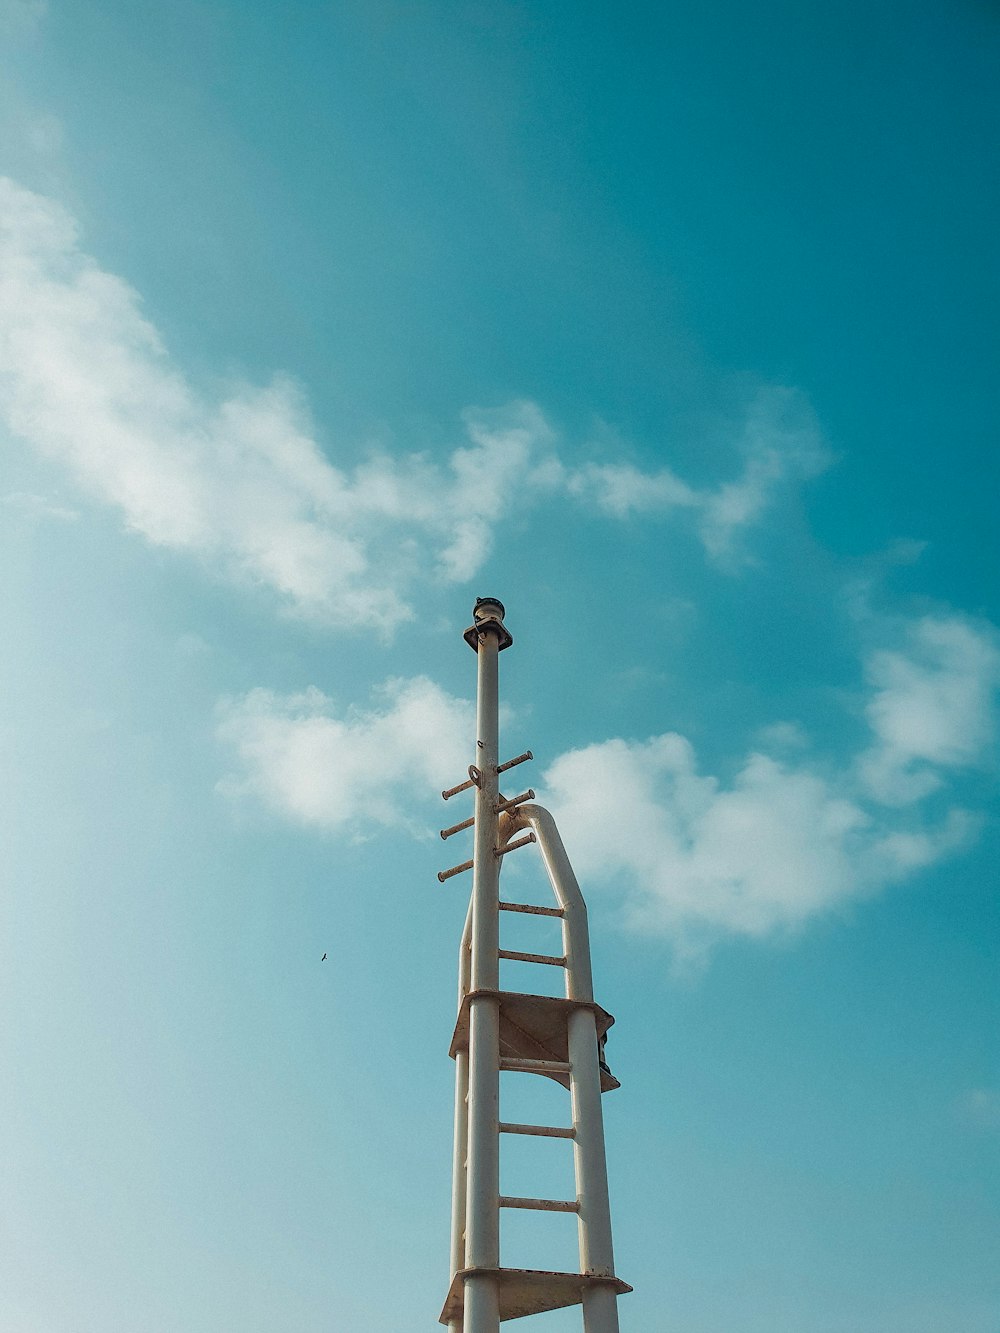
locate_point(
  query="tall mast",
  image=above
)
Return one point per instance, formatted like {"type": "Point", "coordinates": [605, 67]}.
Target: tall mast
{"type": "Point", "coordinates": [504, 1031]}
{"type": "Point", "coordinates": [482, 1241]}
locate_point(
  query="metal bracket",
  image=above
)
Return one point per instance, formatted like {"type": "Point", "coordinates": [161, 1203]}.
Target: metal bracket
{"type": "Point", "coordinates": [474, 633]}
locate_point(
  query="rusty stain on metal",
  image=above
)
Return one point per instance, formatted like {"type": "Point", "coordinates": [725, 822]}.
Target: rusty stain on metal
{"type": "Point", "coordinates": [526, 1291]}
{"type": "Point", "coordinates": [518, 1065]}
{"type": "Point", "coordinates": [528, 795]}
{"type": "Point", "coordinates": [513, 846]}
{"type": "Point", "coordinates": [455, 870]}
{"type": "Point", "coordinates": [457, 828]}
{"type": "Point", "coordinates": [531, 908]}
{"type": "Point", "coordinates": [515, 957]}
{"type": "Point", "coordinates": [542, 1205]}
{"type": "Point", "coordinates": [512, 763]}
{"type": "Point", "coordinates": [475, 780]}
{"type": "Point", "coordinates": [540, 1131]}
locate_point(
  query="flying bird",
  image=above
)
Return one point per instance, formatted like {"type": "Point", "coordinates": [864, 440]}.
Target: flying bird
{"type": "Point", "coordinates": [323, 959]}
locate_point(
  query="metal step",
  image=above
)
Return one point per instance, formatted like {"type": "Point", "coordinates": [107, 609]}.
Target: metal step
{"type": "Point", "coordinates": [534, 1027]}
{"type": "Point", "coordinates": [525, 1291]}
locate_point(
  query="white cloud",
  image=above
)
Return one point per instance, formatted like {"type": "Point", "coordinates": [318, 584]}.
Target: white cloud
{"type": "Point", "coordinates": [932, 707]}
{"type": "Point", "coordinates": [776, 847]}
{"type": "Point", "coordinates": [38, 506]}
{"type": "Point", "coordinates": [335, 770]}
{"type": "Point", "coordinates": [780, 440]}
{"type": "Point", "coordinates": [694, 857]}
{"type": "Point", "coordinates": [623, 489]}
{"type": "Point", "coordinates": [788, 837]}
{"type": "Point", "coordinates": [783, 736]}
{"type": "Point", "coordinates": [240, 481]}
{"type": "Point", "coordinates": [510, 455]}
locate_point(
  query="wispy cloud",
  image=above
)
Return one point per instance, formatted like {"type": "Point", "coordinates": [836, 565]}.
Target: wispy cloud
{"type": "Point", "coordinates": [790, 837]}
{"type": "Point", "coordinates": [780, 441]}
{"type": "Point", "coordinates": [38, 506]}
{"type": "Point", "coordinates": [696, 858]}
{"type": "Point", "coordinates": [792, 834]}
{"type": "Point", "coordinates": [932, 707]}
{"type": "Point", "coordinates": [240, 480]}
{"type": "Point", "coordinates": [347, 769]}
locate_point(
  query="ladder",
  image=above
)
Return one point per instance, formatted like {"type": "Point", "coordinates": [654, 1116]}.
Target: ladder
{"type": "Point", "coordinates": [559, 1038]}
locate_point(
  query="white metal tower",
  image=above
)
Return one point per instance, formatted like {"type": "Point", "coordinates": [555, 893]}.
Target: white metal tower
{"type": "Point", "coordinates": [497, 1030]}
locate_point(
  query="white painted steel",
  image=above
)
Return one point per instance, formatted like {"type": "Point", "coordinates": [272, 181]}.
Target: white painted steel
{"type": "Point", "coordinates": [461, 1140]}
{"type": "Point", "coordinates": [518, 1065]}
{"type": "Point", "coordinates": [576, 933]}
{"type": "Point", "coordinates": [515, 956]}
{"type": "Point", "coordinates": [541, 1131]}
{"type": "Point", "coordinates": [459, 1173]}
{"type": "Point", "coordinates": [482, 1302]}
{"type": "Point", "coordinates": [540, 1205]}
{"type": "Point", "coordinates": [486, 867]}
{"type": "Point", "coordinates": [600, 1309]}
{"type": "Point", "coordinates": [476, 1199]}
{"type": "Point", "coordinates": [600, 1303]}
{"type": "Point", "coordinates": [531, 909]}
{"type": "Point", "coordinates": [600, 1306]}
{"type": "Point", "coordinates": [482, 1248]}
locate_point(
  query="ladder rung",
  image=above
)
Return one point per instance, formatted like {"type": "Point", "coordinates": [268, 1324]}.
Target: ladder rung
{"type": "Point", "coordinates": [512, 763]}
{"type": "Point", "coordinates": [513, 846]}
{"type": "Point", "coordinates": [457, 828]}
{"type": "Point", "coordinates": [475, 777]}
{"type": "Point", "coordinates": [516, 957]}
{"type": "Point", "coordinates": [543, 1131]}
{"type": "Point", "coordinates": [543, 1205]}
{"type": "Point", "coordinates": [528, 795]}
{"type": "Point", "coordinates": [530, 907]}
{"type": "Point", "coordinates": [535, 1066]}
{"type": "Point", "coordinates": [455, 870]}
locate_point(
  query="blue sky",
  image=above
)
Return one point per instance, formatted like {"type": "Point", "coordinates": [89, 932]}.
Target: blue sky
{"type": "Point", "coordinates": [675, 328]}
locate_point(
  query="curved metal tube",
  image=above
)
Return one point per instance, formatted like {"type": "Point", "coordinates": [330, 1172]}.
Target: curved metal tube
{"type": "Point", "coordinates": [600, 1306]}
{"type": "Point", "coordinates": [576, 932]}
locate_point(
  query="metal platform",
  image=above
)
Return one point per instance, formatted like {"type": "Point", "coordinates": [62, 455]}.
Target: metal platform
{"type": "Point", "coordinates": [534, 1027]}
{"type": "Point", "coordinates": [525, 1291]}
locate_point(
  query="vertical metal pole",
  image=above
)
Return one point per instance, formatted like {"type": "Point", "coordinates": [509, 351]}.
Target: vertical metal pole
{"type": "Point", "coordinates": [461, 1143]}
{"type": "Point", "coordinates": [482, 1251]}
{"type": "Point", "coordinates": [600, 1304]}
